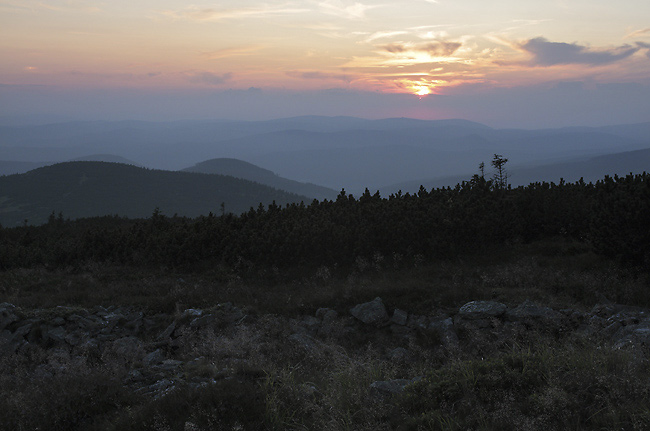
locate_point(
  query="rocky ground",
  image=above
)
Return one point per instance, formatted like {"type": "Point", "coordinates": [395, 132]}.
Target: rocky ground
{"type": "Point", "coordinates": [194, 348]}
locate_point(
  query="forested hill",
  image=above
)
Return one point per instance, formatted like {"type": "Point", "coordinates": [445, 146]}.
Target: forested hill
{"type": "Point", "coordinates": [248, 171]}
{"type": "Point", "coordinates": [612, 217]}
{"type": "Point", "coordinates": [87, 189]}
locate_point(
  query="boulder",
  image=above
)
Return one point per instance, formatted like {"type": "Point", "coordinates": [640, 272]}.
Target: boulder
{"type": "Point", "coordinates": [399, 317]}
{"type": "Point", "coordinates": [445, 328]}
{"type": "Point", "coordinates": [153, 358]}
{"type": "Point", "coordinates": [371, 313]}
{"type": "Point", "coordinates": [529, 313]}
{"type": "Point", "coordinates": [476, 310]}
{"type": "Point", "coordinates": [7, 315]}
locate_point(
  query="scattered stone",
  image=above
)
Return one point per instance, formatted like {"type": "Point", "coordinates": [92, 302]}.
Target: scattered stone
{"type": "Point", "coordinates": [399, 317]}
{"type": "Point", "coordinates": [530, 313]}
{"type": "Point", "coordinates": [153, 358]}
{"type": "Point", "coordinates": [327, 315]}
{"type": "Point", "coordinates": [167, 333]}
{"type": "Point", "coordinates": [371, 313]}
{"type": "Point", "coordinates": [203, 321]}
{"type": "Point", "coordinates": [445, 327]}
{"type": "Point", "coordinates": [476, 310]}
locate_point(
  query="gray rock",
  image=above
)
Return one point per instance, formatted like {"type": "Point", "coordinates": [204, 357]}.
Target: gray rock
{"type": "Point", "coordinates": [57, 321]}
{"type": "Point", "coordinates": [192, 312]}
{"type": "Point", "coordinates": [7, 315]}
{"type": "Point", "coordinates": [327, 315]}
{"type": "Point", "coordinates": [417, 322]}
{"type": "Point", "coordinates": [310, 323]}
{"type": "Point", "coordinates": [371, 313]}
{"type": "Point", "coordinates": [57, 335]}
{"type": "Point", "coordinates": [203, 321]}
{"type": "Point", "coordinates": [128, 348]}
{"type": "Point", "coordinates": [399, 317]}
{"type": "Point", "coordinates": [481, 310]}
{"type": "Point", "coordinates": [167, 333]}
{"type": "Point", "coordinates": [529, 312]}
{"type": "Point", "coordinates": [445, 327]}
{"type": "Point", "coordinates": [153, 358]}
{"type": "Point", "coordinates": [74, 338]}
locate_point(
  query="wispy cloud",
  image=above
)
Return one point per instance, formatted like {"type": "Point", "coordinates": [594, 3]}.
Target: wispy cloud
{"type": "Point", "coordinates": [436, 49]}
{"type": "Point", "coordinates": [546, 53]}
{"type": "Point", "coordinates": [207, 78]}
{"type": "Point", "coordinates": [338, 8]}
{"type": "Point", "coordinates": [645, 32]}
{"type": "Point", "coordinates": [319, 75]}
{"type": "Point", "coordinates": [384, 34]}
{"type": "Point", "coordinates": [194, 13]}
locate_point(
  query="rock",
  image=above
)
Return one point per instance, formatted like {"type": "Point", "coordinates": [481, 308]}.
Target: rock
{"type": "Point", "coordinates": [203, 321]}
{"type": "Point", "coordinates": [74, 338]}
{"type": "Point", "coordinates": [153, 358]}
{"type": "Point", "coordinates": [7, 315]}
{"type": "Point", "coordinates": [416, 322]}
{"type": "Point", "coordinates": [127, 348]}
{"type": "Point", "coordinates": [399, 317]}
{"type": "Point", "coordinates": [167, 333]}
{"type": "Point", "coordinates": [310, 323]}
{"type": "Point", "coordinates": [57, 321]}
{"type": "Point", "coordinates": [529, 313]}
{"type": "Point", "coordinates": [445, 327]}
{"type": "Point", "coordinates": [327, 315]}
{"type": "Point", "coordinates": [476, 310]}
{"type": "Point", "coordinates": [192, 312]}
{"type": "Point", "coordinates": [371, 313]}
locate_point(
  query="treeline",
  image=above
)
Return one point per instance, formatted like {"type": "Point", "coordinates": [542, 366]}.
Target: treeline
{"type": "Point", "coordinates": [613, 215]}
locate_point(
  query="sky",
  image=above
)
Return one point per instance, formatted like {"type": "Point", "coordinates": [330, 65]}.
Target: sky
{"type": "Point", "coordinates": [507, 63]}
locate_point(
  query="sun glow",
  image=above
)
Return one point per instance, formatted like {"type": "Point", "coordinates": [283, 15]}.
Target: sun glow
{"type": "Point", "coordinates": [421, 90]}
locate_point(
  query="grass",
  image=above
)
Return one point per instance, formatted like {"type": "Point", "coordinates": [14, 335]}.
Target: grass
{"type": "Point", "coordinates": [257, 377]}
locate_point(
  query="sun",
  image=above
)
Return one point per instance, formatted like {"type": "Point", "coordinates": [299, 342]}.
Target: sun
{"type": "Point", "coordinates": [421, 90]}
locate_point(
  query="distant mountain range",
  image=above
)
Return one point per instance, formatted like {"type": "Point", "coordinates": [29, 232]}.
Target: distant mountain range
{"type": "Point", "coordinates": [248, 171]}
{"type": "Point", "coordinates": [332, 152]}
{"type": "Point", "coordinates": [86, 189]}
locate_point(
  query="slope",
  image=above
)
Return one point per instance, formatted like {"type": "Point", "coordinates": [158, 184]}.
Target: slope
{"type": "Point", "coordinates": [248, 171]}
{"type": "Point", "coordinates": [85, 189]}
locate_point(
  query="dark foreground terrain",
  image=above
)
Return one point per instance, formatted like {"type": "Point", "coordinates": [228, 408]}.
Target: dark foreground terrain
{"type": "Point", "coordinates": [494, 344]}
{"type": "Point", "coordinates": [481, 307]}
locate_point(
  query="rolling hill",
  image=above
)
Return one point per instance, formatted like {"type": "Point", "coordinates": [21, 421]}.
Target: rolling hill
{"type": "Point", "coordinates": [85, 189]}
{"type": "Point", "coordinates": [248, 171]}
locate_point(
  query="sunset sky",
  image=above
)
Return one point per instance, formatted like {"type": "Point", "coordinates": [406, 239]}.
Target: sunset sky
{"type": "Point", "coordinates": [507, 63]}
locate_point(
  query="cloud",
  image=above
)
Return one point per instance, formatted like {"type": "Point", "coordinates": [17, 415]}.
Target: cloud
{"type": "Point", "coordinates": [384, 34]}
{"type": "Point", "coordinates": [547, 53]}
{"type": "Point", "coordinates": [207, 78]}
{"type": "Point", "coordinates": [319, 75]}
{"type": "Point", "coordinates": [435, 49]}
{"type": "Point", "coordinates": [638, 33]}
{"type": "Point", "coordinates": [646, 46]}
{"type": "Point", "coordinates": [194, 13]}
{"type": "Point", "coordinates": [336, 7]}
